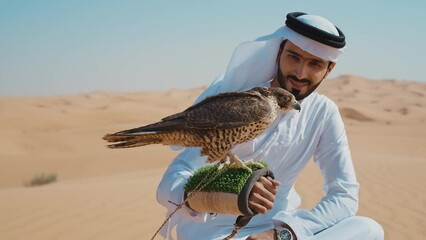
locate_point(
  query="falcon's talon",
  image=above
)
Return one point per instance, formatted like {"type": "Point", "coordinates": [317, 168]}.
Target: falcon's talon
{"type": "Point", "coordinates": [238, 163]}
{"type": "Point", "coordinates": [241, 165]}
{"type": "Point", "coordinates": [223, 162]}
{"type": "Point", "coordinates": [257, 164]}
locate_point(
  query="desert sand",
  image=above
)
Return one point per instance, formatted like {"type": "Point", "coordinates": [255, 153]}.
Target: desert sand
{"type": "Point", "coordinates": [110, 194]}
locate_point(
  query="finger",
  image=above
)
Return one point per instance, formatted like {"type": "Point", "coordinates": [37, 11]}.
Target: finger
{"type": "Point", "coordinates": [259, 198]}
{"type": "Point", "coordinates": [257, 208]}
{"type": "Point", "coordinates": [268, 185]}
{"type": "Point", "coordinates": [275, 182]}
{"type": "Point", "coordinates": [259, 204]}
{"type": "Point", "coordinates": [264, 192]}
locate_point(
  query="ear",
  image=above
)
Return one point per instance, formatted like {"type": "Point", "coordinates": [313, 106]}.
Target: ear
{"type": "Point", "coordinates": [329, 68]}
{"type": "Point", "coordinates": [279, 55]}
{"type": "Point", "coordinates": [280, 50]}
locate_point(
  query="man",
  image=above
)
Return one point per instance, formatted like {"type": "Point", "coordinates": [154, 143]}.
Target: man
{"type": "Point", "coordinates": [297, 57]}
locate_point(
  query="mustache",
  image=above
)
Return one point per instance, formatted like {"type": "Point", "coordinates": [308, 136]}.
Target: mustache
{"type": "Point", "coordinates": [294, 78]}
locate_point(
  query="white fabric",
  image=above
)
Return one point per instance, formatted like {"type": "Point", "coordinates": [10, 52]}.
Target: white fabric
{"type": "Point", "coordinates": [319, 22]}
{"type": "Point", "coordinates": [353, 228]}
{"type": "Point", "coordinates": [316, 131]}
{"type": "Point", "coordinates": [308, 45]}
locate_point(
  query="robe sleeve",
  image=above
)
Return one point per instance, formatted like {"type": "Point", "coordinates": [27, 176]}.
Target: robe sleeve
{"type": "Point", "coordinates": [341, 188]}
{"type": "Point", "coordinates": [171, 187]}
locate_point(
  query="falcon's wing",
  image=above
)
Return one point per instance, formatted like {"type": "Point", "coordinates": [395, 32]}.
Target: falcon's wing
{"type": "Point", "coordinates": [226, 110]}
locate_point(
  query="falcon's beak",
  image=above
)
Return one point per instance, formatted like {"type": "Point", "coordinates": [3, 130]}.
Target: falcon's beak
{"type": "Point", "coordinates": [296, 105]}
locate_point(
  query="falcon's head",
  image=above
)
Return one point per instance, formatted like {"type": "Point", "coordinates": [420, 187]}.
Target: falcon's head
{"type": "Point", "coordinates": [285, 99]}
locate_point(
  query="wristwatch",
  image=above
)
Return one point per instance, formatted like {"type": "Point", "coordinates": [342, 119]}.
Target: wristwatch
{"type": "Point", "coordinates": [284, 234]}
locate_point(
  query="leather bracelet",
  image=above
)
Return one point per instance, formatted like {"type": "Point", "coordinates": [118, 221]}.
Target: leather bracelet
{"type": "Point", "coordinates": [275, 234]}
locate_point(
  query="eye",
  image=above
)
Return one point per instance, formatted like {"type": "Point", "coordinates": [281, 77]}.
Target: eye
{"type": "Point", "coordinates": [316, 64]}
{"type": "Point", "coordinates": [293, 57]}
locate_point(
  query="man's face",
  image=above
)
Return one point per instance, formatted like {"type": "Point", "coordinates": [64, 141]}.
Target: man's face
{"type": "Point", "coordinates": [301, 72]}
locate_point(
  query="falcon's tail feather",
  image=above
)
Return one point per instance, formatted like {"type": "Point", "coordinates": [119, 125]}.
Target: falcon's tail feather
{"type": "Point", "coordinates": [132, 140]}
{"type": "Point", "coordinates": [168, 124]}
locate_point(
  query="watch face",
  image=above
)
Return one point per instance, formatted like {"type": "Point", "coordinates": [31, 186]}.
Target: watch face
{"type": "Point", "coordinates": [284, 234]}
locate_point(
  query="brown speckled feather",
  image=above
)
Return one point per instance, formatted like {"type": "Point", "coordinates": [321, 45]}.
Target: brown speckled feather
{"type": "Point", "coordinates": [215, 124]}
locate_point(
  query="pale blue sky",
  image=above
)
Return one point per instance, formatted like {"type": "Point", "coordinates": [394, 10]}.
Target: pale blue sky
{"type": "Point", "coordinates": [65, 47]}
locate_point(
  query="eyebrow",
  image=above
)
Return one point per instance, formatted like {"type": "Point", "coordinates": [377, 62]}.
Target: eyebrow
{"type": "Point", "coordinates": [314, 59]}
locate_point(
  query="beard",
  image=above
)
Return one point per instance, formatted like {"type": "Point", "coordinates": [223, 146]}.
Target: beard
{"type": "Point", "coordinates": [282, 80]}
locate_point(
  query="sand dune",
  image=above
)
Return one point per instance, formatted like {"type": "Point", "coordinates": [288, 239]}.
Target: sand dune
{"type": "Point", "coordinates": [105, 194]}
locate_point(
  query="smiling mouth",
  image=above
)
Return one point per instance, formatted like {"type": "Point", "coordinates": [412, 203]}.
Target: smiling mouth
{"type": "Point", "coordinates": [298, 84]}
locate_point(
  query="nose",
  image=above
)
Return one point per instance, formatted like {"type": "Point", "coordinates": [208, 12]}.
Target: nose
{"type": "Point", "coordinates": [301, 71]}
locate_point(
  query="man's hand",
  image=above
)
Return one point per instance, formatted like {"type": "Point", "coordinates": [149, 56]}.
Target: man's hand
{"type": "Point", "coordinates": [268, 235]}
{"type": "Point", "coordinates": [262, 196]}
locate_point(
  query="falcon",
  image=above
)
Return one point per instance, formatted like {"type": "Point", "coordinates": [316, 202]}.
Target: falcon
{"type": "Point", "coordinates": [215, 124]}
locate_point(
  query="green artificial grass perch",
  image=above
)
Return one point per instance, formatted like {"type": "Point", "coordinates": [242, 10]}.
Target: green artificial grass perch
{"type": "Point", "coordinates": [231, 180]}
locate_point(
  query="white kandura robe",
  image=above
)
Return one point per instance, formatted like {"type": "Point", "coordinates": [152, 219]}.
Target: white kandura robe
{"type": "Point", "coordinates": [287, 145]}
